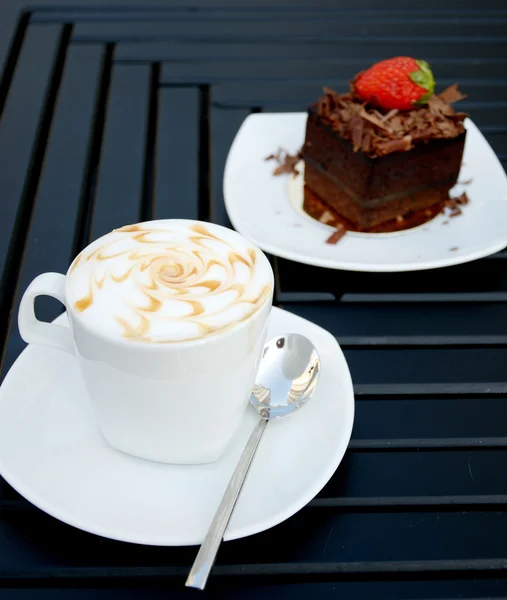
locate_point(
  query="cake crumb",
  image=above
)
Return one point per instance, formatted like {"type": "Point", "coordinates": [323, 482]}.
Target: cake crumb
{"type": "Point", "coordinates": [286, 162]}
{"type": "Point", "coordinates": [466, 182]}
{"type": "Point", "coordinates": [462, 199]}
{"type": "Point", "coordinates": [445, 223]}
{"type": "Point", "coordinates": [454, 204]}
{"type": "Point", "coordinates": [453, 249]}
{"type": "Point", "coordinates": [336, 236]}
{"type": "Point", "coordinates": [326, 217]}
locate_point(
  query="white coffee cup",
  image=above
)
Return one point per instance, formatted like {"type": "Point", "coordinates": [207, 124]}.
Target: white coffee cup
{"type": "Point", "coordinates": [162, 392]}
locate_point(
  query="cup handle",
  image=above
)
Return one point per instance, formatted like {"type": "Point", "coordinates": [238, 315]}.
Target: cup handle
{"type": "Point", "coordinates": [37, 332]}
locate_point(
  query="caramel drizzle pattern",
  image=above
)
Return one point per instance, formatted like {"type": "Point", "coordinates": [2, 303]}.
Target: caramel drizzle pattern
{"type": "Point", "coordinates": [172, 277]}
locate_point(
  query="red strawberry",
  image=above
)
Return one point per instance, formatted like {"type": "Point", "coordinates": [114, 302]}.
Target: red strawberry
{"type": "Point", "coordinates": [400, 83]}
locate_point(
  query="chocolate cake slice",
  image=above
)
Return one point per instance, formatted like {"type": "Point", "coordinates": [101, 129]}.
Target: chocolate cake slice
{"type": "Point", "coordinates": [372, 166]}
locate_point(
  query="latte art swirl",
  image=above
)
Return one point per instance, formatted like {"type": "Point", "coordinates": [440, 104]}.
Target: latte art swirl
{"type": "Point", "coordinates": [166, 281]}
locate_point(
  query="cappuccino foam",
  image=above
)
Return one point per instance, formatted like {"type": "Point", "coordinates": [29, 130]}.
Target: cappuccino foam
{"type": "Point", "coordinates": [168, 281]}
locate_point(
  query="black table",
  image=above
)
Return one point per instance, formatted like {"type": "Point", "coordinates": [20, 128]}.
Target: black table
{"type": "Point", "coordinates": [124, 111]}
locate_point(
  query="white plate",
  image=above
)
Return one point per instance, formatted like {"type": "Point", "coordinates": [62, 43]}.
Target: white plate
{"type": "Point", "coordinates": [267, 209]}
{"type": "Point", "coordinates": [53, 454]}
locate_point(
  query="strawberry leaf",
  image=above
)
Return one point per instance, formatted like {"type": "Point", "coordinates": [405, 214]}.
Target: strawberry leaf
{"type": "Point", "coordinates": [423, 78]}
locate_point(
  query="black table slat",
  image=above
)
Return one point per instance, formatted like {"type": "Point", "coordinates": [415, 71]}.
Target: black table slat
{"type": "Point", "coordinates": [262, 11]}
{"type": "Point", "coordinates": [20, 120]}
{"type": "Point", "coordinates": [299, 26]}
{"type": "Point", "coordinates": [296, 95]}
{"type": "Point", "coordinates": [479, 277]}
{"type": "Point", "coordinates": [335, 542]}
{"type": "Point", "coordinates": [50, 241]}
{"type": "Point", "coordinates": [384, 590]}
{"type": "Point", "coordinates": [177, 194]}
{"type": "Point", "coordinates": [224, 126]}
{"type": "Point", "coordinates": [401, 391]}
{"type": "Point", "coordinates": [380, 537]}
{"type": "Point", "coordinates": [499, 145]}
{"type": "Point", "coordinates": [278, 38]}
{"type": "Point", "coordinates": [363, 49]}
{"type": "Point", "coordinates": [120, 176]}
{"type": "Point", "coordinates": [130, 9]}
{"type": "Point", "coordinates": [224, 66]}
{"type": "Point", "coordinates": [432, 473]}
{"type": "Point", "coordinates": [416, 418]}
{"type": "Point", "coordinates": [430, 322]}
{"type": "Point", "coordinates": [13, 28]}
{"type": "Point", "coordinates": [426, 365]}
{"type": "Point", "coordinates": [30, 185]}
{"type": "Point", "coordinates": [150, 146]}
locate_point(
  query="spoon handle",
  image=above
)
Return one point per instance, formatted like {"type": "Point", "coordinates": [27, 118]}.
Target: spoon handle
{"type": "Point", "coordinates": [206, 556]}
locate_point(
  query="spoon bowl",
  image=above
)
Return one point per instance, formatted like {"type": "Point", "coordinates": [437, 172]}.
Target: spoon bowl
{"type": "Point", "coordinates": [287, 376]}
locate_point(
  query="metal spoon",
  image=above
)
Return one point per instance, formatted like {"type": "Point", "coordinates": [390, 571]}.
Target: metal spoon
{"type": "Point", "coordinates": [287, 377]}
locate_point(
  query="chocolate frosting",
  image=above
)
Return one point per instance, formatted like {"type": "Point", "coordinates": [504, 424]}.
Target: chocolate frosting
{"type": "Point", "coordinates": [378, 133]}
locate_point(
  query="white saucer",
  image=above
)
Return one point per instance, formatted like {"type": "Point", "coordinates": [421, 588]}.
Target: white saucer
{"type": "Point", "coordinates": [52, 453]}
{"type": "Point", "coordinates": [267, 209]}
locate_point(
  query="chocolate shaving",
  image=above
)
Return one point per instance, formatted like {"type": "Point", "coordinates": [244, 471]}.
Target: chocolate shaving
{"type": "Point", "coordinates": [372, 118]}
{"type": "Point", "coordinates": [400, 145]}
{"type": "Point", "coordinates": [334, 96]}
{"type": "Point", "coordinates": [396, 124]}
{"type": "Point", "coordinates": [366, 142]}
{"type": "Point", "coordinates": [457, 117]}
{"type": "Point", "coordinates": [451, 94]}
{"type": "Point", "coordinates": [462, 199]}
{"type": "Point", "coordinates": [286, 162]}
{"type": "Point", "coordinates": [446, 128]}
{"type": "Point", "coordinates": [335, 237]}
{"type": "Point", "coordinates": [453, 204]}
{"type": "Point", "coordinates": [357, 126]}
{"type": "Point", "coordinates": [390, 114]}
{"type": "Point", "coordinates": [436, 106]}
{"type": "Point", "coordinates": [391, 131]}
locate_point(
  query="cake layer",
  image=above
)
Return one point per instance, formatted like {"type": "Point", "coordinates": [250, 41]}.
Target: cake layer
{"type": "Point", "coordinates": [364, 216]}
{"type": "Point", "coordinates": [319, 210]}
